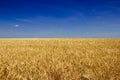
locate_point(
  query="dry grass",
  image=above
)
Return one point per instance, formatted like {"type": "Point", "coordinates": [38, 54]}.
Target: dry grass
{"type": "Point", "coordinates": [60, 59]}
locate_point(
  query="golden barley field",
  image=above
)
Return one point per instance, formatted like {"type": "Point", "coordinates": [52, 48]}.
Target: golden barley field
{"type": "Point", "coordinates": [60, 59]}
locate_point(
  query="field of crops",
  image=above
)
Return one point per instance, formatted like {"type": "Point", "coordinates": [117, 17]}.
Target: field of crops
{"type": "Point", "coordinates": [59, 59]}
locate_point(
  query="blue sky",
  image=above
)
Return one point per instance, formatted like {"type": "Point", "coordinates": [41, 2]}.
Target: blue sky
{"type": "Point", "coordinates": [60, 18]}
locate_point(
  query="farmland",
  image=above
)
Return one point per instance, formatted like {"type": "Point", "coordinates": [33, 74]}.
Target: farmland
{"type": "Point", "coordinates": [60, 59]}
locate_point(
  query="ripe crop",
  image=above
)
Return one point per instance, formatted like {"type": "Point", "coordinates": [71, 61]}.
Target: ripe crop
{"type": "Point", "coordinates": [59, 59]}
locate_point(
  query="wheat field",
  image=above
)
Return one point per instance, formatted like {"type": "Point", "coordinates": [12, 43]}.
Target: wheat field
{"type": "Point", "coordinates": [59, 59]}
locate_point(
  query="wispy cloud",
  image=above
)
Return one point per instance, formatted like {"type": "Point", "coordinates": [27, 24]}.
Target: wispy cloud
{"type": "Point", "coordinates": [114, 8]}
{"type": "Point", "coordinates": [75, 16]}
{"type": "Point", "coordinates": [24, 20]}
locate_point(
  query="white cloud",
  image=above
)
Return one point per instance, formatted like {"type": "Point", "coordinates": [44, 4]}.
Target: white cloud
{"type": "Point", "coordinates": [16, 25]}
